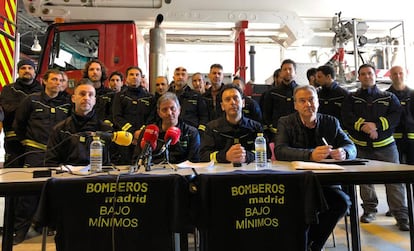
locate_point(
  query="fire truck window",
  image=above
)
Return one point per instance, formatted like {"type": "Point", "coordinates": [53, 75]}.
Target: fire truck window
{"type": "Point", "coordinates": [76, 48]}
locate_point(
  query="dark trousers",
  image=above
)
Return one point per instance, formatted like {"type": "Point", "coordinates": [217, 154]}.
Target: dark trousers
{"type": "Point", "coordinates": [338, 204]}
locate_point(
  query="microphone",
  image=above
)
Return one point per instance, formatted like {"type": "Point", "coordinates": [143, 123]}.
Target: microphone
{"type": "Point", "coordinates": [121, 138]}
{"type": "Point", "coordinates": [172, 135]}
{"type": "Point", "coordinates": [148, 144]}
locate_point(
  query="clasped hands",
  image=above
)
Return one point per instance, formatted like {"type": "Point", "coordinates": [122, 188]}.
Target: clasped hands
{"type": "Point", "coordinates": [236, 154]}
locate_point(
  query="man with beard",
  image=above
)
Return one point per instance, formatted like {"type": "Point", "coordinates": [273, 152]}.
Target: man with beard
{"type": "Point", "coordinates": [95, 71]}
{"type": "Point", "coordinates": [193, 107]}
{"type": "Point", "coordinates": [132, 108]}
{"type": "Point", "coordinates": [211, 95]}
{"type": "Point", "coordinates": [10, 99]}
{"type": "Point", "coordinates": [278, 101]}
{"type": "Point", "coordinates": [230, 138]}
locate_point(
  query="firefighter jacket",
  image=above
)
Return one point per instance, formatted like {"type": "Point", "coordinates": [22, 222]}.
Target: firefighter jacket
{"type": "Point", "coordinates": [331, 99]}
{"type": "Point", "coordinates": [371, 105]}
{"type": "Point", "coordinates": [10, 98]}
{"type": "Point", "coordinates": [252, 109]}
{"type": "Point", "coordinates": [278, 102]}
{"type": "Point", "coordinates": [220, 135]}
{"type": "Point", "coordinates": [294, 141]}
{"type": "Point", "coordinates": [214, 107]}
{"type": "Point", "coordinates": [70, 140]}
{"type": "Point", "coordinates": [187, 147]}
{"type": "Point", "coordinates": [133, 108]}
{"type": "Point", "coordinates": [36, 117]}
{"type": "Point", "coordinates": [405, 129]}
{"type": "Point", "coordinates": [193, 108]}
{"type": "Point", "coordinates": [103, 106]}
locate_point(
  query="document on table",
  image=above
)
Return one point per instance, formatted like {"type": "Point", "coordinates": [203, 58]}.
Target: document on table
{"type": "Point", "coordinates": [189, 164]}
{"type": "Point", "coordinates": [303, 165]}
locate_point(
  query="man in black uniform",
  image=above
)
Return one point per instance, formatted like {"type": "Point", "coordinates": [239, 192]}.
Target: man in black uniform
{"type": "Point", "coordinates": [10, 98]}
{"type": "Point", "coordinates": [278, 101]}
{"type": "Point", "coordinates": [35, 118]}
{"type": "Point", "coordinates": [212, 95]}
{"type": "Point", "coordinates": [300, 137]}
{"type": "Point", "coordinates": [404, 132]}
{"type": "Point", "coordinates": [370, 116]}
{"type": "Point", "coordinates": [132, 109]}
{"type": "Point", "coordinates": [193, 107]}
{"type": "Point", "coordinates": [95, 71]}
{"type": "Point", "coordinates": [70, 139]}
{"type": "Point", "coordinates": [251, 108]}
{"type": "Point", "coordinates": [188, 145]}
{"type": "Point", "coordinates": [330, 94]}
{"type": "Point", "coordinates": [37, 115]}
{"type": "Point", "coordinates": [230, 138]}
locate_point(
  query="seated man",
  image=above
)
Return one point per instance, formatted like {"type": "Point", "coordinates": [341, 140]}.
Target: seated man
{"type": "Point", "coordinates": [301, 136]}
{"type": "Point", "coordinates": [70, 139]}
{"type": "Point", "coordinates": [230, 138]}
{"type": "Point", "coordinates": [188, 146]}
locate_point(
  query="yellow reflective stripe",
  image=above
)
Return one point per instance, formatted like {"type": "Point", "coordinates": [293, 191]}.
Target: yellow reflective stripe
{"type": "Point", "coordinates": [11, 134]}
{"type": "Point", "coordinates": [358, 142]}
{"type": "Point", "coordinates": [398, 135]}
{"type": "Point", "coordinates": [213, 156]}
{"type": "Point", "coordinates": [272, 129]}
{"type": "Point", "coordinates": [410, 135]}
{"type": "Point", "coordinates": [384, 142]}
{"type": "Point", "coordinates": [126, 127]}
{"type": "Point", "coordinates": [358, 124]}
{"type": "Point", "coordinates": [201, 127]}
{"type": "Point", "coordinates": [108, 122]}
{"type": "Point", "coordinates": [142, 127]}
{"type": "Point", "coordinates": [384, 123]}
{"type": "Point", "coordinates": [32, 143]}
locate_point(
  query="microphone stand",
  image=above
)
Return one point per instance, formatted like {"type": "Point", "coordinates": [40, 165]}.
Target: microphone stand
{"type": "Point", "coordinates": [167, 158]}
{"type": "Point", "coordinates": [148, 160]}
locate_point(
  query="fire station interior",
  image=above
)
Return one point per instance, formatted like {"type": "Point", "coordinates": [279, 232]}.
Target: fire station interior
{"type": "Point", "coordinates": [377, 32]}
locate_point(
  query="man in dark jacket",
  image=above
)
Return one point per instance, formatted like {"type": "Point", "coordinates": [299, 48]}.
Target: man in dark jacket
{"type": "Point", "coordinates": [230, 138]}
{"type": "Point", "coordinates": [370, 117]}
{"type": "Point", "coordinates": [70, 139]}
{"type": "Point", "coordinates": [132, 108]}
{"type": "Point", "coordinates": [10, 98]}
{"type": "Point", "coordinates": [188, 145]}
{"type": "Point", "coordinates": [309, 136]}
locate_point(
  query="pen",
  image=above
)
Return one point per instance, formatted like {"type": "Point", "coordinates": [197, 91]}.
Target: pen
{"type": "Point", "coordinates": [324, 141]}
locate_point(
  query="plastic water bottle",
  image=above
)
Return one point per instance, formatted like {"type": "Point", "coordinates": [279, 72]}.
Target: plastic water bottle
{"type": "Point", "coordinates": [96, 155]}
{"type": "Point", "coordinates": [260, 147]}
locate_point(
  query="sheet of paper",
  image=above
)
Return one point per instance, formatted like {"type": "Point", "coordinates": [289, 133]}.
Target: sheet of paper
{"type": "Point", "coordinates": [302, 165]}
{"type": "Point", "coordinates": [189, 164]}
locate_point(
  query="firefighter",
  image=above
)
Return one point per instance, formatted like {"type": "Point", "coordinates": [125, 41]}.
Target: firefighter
{"type": "Point", "coordinates": [370, 116]}
{"type": "Point", "coordinates": [278, 101]}
{"type": "Point", "coordinates": [193, 107]}
{"type": "Point", "coordinates": [404, 132]}
{"type": "Point", "coordinates": [212, 95]}
{"type": "Point", "coordinates": [132, 108]}
{"type": "Point", "coordinates": [34, 119]}
{"type": "Point", "coordinates": [251, 108]}
{"type": "Point", "coordinates": [95, 71]}
{"type": "Point", "coordinates": [10, 99]}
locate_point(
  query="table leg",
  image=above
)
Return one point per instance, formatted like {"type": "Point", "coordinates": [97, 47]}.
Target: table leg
{"type": "Point", "coordinates": [410, 213]}
{"type": "Point", "coordinates": [8, 225]}
{"type": "Point", "coordinates": [354, 219]}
